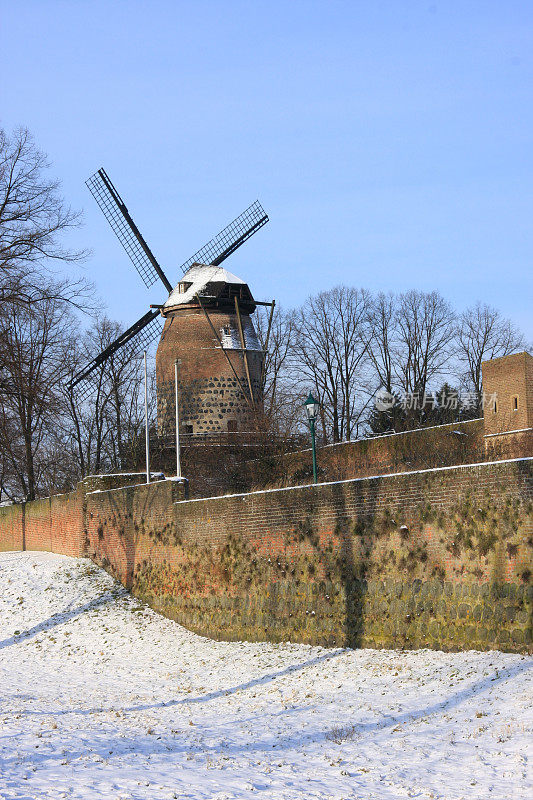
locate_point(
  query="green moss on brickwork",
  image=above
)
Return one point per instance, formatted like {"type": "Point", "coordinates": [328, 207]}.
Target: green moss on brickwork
{"type": "Point", "coordinates": [372, 581]}
{"type": "Point", "coordinates": [439, 559]}
{"type": "Point", "coordinates": [358, 613]}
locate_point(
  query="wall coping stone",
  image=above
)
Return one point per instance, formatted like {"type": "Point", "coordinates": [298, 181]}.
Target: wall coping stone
{"type": "Point", "coordinates": [120, 475]}
{"type": "Point", "coordinates": [140, 485]}
{"type": "Point", "coordinates": [388, 435]}
{"type": "Point", "coordinates": [506, 433]}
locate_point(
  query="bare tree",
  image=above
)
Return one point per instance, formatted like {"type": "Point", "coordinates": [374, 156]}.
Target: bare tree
{"type": "Point", "coordinates": [331, 354]}
{"type": "Point", "coordinates": [278, 382]}
{"type": "Point", "coordinates": [10, 457]}
{"type": "Point", "coordinates": [382, 315]}
{"type": "Point", "coordinates": [351, 346]}
{"type": "Point", "coordinates": [33, 216]}
{"type": "Point", "coordinates": [33, 351]}
{"type": "Point", "coordinates": [484, 334]}
{"type": "Point", "coordinates": [316, 359]}
{"type": "Point", "coordinates": [107, 426]}
{"type": "Point", "coordinates": [426, 343]}
{"type": "Point", "coordinates": [36, 319]}
{"type": "Point", "coordinates": [88, 417]}
{"type": "Point", "coordinates": [413, 343]}
{"type": "Point", "coordinates": [126, 406]}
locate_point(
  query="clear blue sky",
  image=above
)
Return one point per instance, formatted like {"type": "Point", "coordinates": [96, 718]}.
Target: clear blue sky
{"type": "Point", "coordinates": [390, 142]}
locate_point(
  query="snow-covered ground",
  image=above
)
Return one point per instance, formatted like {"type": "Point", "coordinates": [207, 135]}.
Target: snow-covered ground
{"type": "Point", "coordinates": [102, 698]}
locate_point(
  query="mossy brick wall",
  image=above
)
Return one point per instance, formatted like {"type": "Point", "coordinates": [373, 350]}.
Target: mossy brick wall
{"type": "Point", "coordinates": [214, 471]}
{"type": "Point", "coordinates": [440, 558]}
{"type": "Point", "coordinates": [509, 445]}
{"type": "Point", "coordinates": [126, 526]}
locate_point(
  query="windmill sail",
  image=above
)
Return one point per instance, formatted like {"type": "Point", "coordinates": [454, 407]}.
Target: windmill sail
{"type": "Point", "coordinates": [129, 236]}
{"type": "Point", "coordinates": [230, 238]}
{"type": "Point", "coordinates": [145, 331]}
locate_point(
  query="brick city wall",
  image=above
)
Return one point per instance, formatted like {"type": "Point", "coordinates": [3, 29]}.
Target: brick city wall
{"type": "Point", "coordinates": [426, 448]}
{"type": "Point", "coordinates": [217, 470]}
{"type": "Point", "coordinates": [55, 524]}
{"type": "Point", "coordinates": [440, 558]}
{"type": "Point", "coordinates": [440, 446]}
{"type": "Point", "coordinates": [12, 527]}
{"type": "Point", "coordinates": [505, 432]}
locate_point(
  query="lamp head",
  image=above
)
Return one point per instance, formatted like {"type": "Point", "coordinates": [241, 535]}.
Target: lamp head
{"type": "Point", "coordinates": [311, 406]}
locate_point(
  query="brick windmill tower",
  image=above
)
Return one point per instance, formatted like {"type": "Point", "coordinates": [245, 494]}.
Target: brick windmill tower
{"type": "Point", "coordinates": [208, 329]}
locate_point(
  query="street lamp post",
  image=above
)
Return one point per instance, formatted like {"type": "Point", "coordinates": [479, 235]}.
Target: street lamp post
{"type": "Point", "coordinates": [178, 459]}
{"type": "Point", "coordinates": [146, 429]}
{"type": "Point", "coordinates": [311, 406]}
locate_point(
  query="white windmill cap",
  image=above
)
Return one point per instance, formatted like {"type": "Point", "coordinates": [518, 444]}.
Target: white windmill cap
{"type": "Point", "coordinates": [198, 276]}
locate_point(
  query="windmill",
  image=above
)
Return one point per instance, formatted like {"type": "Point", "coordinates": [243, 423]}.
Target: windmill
{"type": "Point", "coordinates": [207, 330]}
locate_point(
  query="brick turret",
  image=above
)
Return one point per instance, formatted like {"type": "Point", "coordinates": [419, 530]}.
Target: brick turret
{"type": "Point", "coordinates": [508, 412]}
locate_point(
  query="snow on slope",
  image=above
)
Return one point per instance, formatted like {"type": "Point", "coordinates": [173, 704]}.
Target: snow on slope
{"type": "Point", "coordinates": [102, 698]}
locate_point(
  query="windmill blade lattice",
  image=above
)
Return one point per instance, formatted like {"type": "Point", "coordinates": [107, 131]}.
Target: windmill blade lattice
{"type": "Point", "coordinates": [116, 213]}
{"type": "Point", "coordinates": [230, 238]}
{"type": "Point", "coordinates": [139, 336]}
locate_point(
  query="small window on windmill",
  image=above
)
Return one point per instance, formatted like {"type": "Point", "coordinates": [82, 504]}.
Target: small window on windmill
{"type": "Point", "coordinates": [226, 330]}
{"type": "Point", "coordinates": [183, 286]}
{"type": "Point", "coordinates": [515, 403]}
{"type": "Point", "coordinates": [495, 407]}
